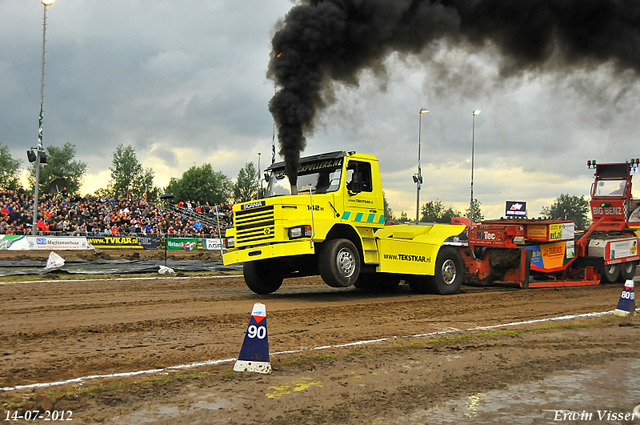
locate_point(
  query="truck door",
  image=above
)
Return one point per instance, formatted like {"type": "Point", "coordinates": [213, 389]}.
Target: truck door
{"type": "Point", "coordinates": [363, 201]}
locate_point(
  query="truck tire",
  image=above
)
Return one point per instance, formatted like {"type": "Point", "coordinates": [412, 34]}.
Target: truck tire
{"type": "Point", "coordinates": [339, 263]}
{"type": "Point", "coordinates": [449, 271]}
{"type": "Point", "coordinates": [448, 278]}
{"type": "Point", "coordinates": [262, 277]}
{"type": "Point", "coordinates": [627, 271]}
{"type": "Point", "coordinates": [610, 273]}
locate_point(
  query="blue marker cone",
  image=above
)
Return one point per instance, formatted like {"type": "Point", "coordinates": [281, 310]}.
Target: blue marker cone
{"type": "Point", "coordinates": [627, 304]}
{"type": "Point", "coordinates": [254, 354]}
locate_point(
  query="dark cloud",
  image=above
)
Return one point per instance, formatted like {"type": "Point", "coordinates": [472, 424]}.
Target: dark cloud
{"type": "Point", "coordinates": [327, 41]}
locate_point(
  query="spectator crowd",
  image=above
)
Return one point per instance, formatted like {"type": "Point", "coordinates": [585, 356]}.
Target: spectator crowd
{"type": "Point", "coordinates": [62, 215]}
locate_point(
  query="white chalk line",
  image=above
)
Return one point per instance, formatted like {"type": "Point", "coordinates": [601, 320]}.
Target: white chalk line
{"type": "Point", "coordinates": [121, 278]}
{"type": "Point", "coordinates": [325, 347]}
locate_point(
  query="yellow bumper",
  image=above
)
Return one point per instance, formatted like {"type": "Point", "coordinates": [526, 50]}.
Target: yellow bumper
{"type": "Point", "coordinates": [286, 249]}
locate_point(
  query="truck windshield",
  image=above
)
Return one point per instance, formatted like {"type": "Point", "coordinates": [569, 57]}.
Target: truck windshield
{"type": "Point", "coordinates": [610, 188]}
{"type": "Point", "coordinates": [318, 181]}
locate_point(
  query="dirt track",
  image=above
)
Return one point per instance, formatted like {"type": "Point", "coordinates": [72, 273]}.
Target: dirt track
{"type": "Point", "coordinates": [58, 330]}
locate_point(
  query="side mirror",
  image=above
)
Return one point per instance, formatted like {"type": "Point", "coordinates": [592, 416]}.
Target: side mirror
{"type": "Point", "coordinates": [355, 186]}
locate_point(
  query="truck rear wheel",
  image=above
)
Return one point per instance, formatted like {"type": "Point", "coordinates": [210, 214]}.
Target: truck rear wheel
{"type": "Point", "coordinates": [448, 277]}
{"type": "Point", "coordinates": [627, 271]}
{"type": "Point", "coordinates": [610, 273]}
{"type": "Point", "coordinates": [262, 277]}
{"type": "Point", "coordinates": [339, 263]}
{"type": "Point", "coordinates": [449, 271]}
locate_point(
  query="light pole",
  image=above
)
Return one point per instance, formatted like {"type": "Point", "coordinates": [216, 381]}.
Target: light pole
{"type": "Point", "coordinates": [473, 146]}
{"type": "Point", "coordinates": [417, 178]}
{"type": "Point", "coordinates": [259, 181]}
{"type": "Point", "coordinates": [39, 149]}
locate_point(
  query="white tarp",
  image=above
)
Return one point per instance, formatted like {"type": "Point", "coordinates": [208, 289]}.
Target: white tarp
{"type": "Point", "coordinates": [55, 261]}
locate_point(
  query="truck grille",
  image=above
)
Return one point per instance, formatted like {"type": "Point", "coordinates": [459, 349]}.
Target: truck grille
{"type": "Point", "coordinates": [255, 225]}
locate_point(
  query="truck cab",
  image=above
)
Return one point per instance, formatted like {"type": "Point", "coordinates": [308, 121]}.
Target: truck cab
{"type": "Point", "coordinates": [611, 199]}
{"type": "Point", "coordinates": [337, 195]}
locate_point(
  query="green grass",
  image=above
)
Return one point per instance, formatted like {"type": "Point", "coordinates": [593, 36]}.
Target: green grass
{"type": "Point", "coordinates": [90, 389]}
{"type": "Point", "coordinates": [503, 332]}
{"type": "Point", "coordinates": [13, 405]}
{"type": "Point", "coordinates": [187, 376]}
{"type": "Point", "coordinates": [577, 325]}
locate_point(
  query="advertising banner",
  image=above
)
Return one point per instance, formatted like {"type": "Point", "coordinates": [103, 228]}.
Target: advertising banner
{"type": "Point", "coordinates": [13, 242]}
{"type": "Point", "coordinates": [516, 209]}
{"type": "Point", "coordinates": [549, 257]}
{"type": "Point", "coordinates": [551, 232]}
{"type": "Point", "coordinates": [214, 244]}
{"type": "Point", "coordinates": [150, 242]}
{"type": "Point", "coordinates": [568, 230]}
{"type": "Point", "coordinates": [115, 242]}
{"type": "Point", "coordinates": [622, 249]}
{"type": "Point", "coordinates": [186, 244]}
{"type": "Point", "coordinates": [57, 242]}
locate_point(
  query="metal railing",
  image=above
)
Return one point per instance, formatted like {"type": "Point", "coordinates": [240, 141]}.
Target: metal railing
{"type": "Point", "coordinates": [203, 218]}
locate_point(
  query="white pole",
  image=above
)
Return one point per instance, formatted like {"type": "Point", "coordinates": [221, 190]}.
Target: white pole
{"type": "Point", "coordinates": [219, 231]}
{"type": "Point", "coordinates": [473, 143]}
{"type": "Point", "coordinates": [39, 149]}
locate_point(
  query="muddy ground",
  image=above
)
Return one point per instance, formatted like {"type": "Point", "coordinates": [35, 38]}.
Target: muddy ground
{"type": "Point", "coordinates": [55, 329]}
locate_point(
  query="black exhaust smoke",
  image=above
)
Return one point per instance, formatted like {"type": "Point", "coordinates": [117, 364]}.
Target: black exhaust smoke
{"type": "Point", "coordinates": [322, 41]}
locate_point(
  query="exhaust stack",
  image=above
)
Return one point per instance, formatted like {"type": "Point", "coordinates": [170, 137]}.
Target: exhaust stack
{"type": "Point", "coordinates": [294, 189]}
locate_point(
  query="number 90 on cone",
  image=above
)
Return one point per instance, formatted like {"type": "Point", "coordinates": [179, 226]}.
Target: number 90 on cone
{"type": "Point", "coordinates": [254, 354]}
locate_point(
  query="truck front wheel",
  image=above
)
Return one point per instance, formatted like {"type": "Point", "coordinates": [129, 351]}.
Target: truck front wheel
{"type": "Point", "coordinates": [261, 277]}
{"type": "Point", "coordinates": [339, 263]}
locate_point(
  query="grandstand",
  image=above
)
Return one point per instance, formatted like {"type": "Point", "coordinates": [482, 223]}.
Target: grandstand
{"type": "Point", "coordinates": [99, 216]}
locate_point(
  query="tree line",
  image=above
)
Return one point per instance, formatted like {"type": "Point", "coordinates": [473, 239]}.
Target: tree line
{"type": "Point", "coordinates": [129, 178]}
{"type": "Point", "coordinates": [203, 184]}
{"type": "Point", "coordinates": [565, 207]}
{"type": "Point", "coordinates": [435, 212]}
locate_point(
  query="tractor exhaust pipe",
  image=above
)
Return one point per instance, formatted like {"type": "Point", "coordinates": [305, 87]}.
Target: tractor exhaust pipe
{"type": "Point", "coordinates": [294, 189]}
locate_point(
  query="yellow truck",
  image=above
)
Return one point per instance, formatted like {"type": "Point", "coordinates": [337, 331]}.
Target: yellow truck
{"type": "Point", "coordinates": [332, 223]}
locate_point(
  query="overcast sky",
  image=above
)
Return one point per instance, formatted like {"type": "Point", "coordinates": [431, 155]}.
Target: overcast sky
{"type": "Point", "coordinates": [185, 83]}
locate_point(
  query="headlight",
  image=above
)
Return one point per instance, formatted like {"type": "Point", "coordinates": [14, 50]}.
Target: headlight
{"type": "Point", "coordinates": [231, 242]}
{"type": "Point", "coordinates": [300, 232]}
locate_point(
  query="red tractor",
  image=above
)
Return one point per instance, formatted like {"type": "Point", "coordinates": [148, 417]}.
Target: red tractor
{"type": "Point", "coordinates": [540, 252]}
